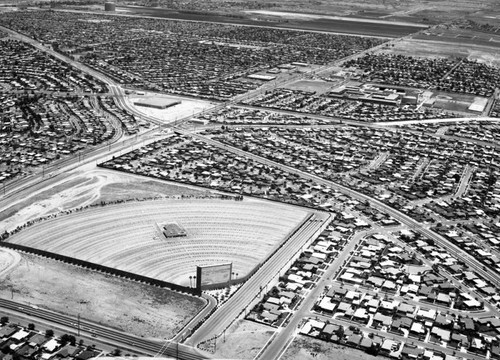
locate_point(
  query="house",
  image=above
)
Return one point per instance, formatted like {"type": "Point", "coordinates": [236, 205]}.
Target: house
{"type": "Point", "coordinates": [20, 335]}
{"type": "Point", "coordinates": [405, 309]}
{"type": "Point", "coordinates": [380, 320]}
{"type": "Point", "coordinates": [418, 330]}
{"type": "Point", "coordinates": [26, 351]}
{"type": "Point", "coordinates": [360, 315]}
{"type": "Point", "coordinates": [6, 331]}
{"type": "Point", "coordinates": [401, 323]}
{"type": "Point", "coordinates": [329, 330]}
{"type": "Point", "coordinates": [444, 321]}
{"type": "Point", "coordinates": [440, 334]}
{"type": "Point", "coordinates": [51, 345]}
{"type": "Point", "coordinates": [467, 324]}
{"type": "Point", "coordinates": [495, 350]}
{"type": "Point", "coordinates": [354, 340]}
{"type": "Point", "coordinates": [426, 314]}
{"type": "Point", "coordinates": [269, 317]}
{"type": "Point", "coordinates": [68, 351]}
{"type": "Point", "coordinates": [478, 346]}
{"type": "Point", "coordinates": [443, 299]}
{"type": "Point", "coordinates": [344, 307]}
{"type": "Point", "coordinates": [458, 340]}
{"type": "Point", "coordinates": [412, 352]}
{"type": "Point", "coordinates": [86, 354]}
{"type": "Point", "coordinates": [327, 305]}
{"type": "Point", "coordinates": [389, 346]}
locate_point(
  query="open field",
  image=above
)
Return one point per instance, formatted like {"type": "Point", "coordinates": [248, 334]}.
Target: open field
{"type": "Point", "coordinates": [126, 236]}
{"type": "Point", "coordinates": [393, 10]}
{"type": "Point", "coordinates": [345, 26]}
{"type": "Point", "coordinates": [243, 340]}
{"type": "Point", "coordinates": [130, 306]}
{"type": "Point", "coordinates": [459, 36]}
{"type": "Point", "coordinates": [8, 260]}
{"type": "Point", "coordinates": [439, 48]}
{"type": "Point", "coordinates": [317, 86]}
{"type": "Point", "coordinates": [454, 102]}
{"type": "Point", "coordinates": [86, 188]}
{"type": "Point", "coordinates": [305, 348]}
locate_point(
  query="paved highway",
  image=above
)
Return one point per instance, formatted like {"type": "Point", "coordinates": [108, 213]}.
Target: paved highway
{"type": "Point", "coordinates": [402, 218]}
{"type": "Point", "coordinates": [279, 342]}
{"type": "Point", "coordinates": [237, 304]}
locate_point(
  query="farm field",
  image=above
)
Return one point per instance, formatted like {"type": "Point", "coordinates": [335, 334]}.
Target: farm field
{"type": "Point", "coordinates": [126, 236]}
{"type": "Point", "coordinates": [127, 305]}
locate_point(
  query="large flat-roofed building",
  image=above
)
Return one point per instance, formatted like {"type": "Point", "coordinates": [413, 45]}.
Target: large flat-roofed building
{"type": "Point", "coordinates": [172, 230]}
{"type": "Point", "coordinates": [157, 103]}
{"type": "Point", "coordinates": [261, 77]}
{"type": "Point", "coordinates": [109, 6]}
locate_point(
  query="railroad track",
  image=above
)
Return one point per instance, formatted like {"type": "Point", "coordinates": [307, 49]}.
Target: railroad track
{"type": "Point", "coordinates": [148, 347]}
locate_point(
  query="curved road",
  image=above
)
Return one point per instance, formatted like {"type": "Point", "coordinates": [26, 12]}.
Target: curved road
{"type": "Point", "coordinates": [233, 307]}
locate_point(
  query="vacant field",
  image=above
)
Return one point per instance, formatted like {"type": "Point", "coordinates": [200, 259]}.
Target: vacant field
{"type": "Point", "coordinates": [87, 188]}
{"type": "Point", "coordinates": [277, 19]}
{"type": "Point", "coordinates": [8, 260]}
{"type": "Point", "coordinates": [454, 102]}
{"type": "Point", "coordinates": [316, 86]}
{"type": "Point", "coordinates": [126, 236]}
{"type": "Point", "coordinates": [306, 348]}
{"type": "Point", "coordinates": [243, 340]}
{"type": "Point", "coordinates": [130, 306]}
{"type": "Point", "coordinates": [437, 47]}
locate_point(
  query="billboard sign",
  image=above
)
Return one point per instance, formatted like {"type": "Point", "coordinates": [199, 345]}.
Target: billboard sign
{"type": "Point", "coordinates": [213, 275]}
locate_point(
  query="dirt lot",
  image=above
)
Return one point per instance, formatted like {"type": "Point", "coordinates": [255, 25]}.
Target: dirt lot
{"type": "Point", "coordinates": [317, 86]}
{"type": "Point", "coordinates": [136, 308]}
{"type": "Point", "coordinates": [417, 11]}
{"type": "Point", "coordinates": [306, 348]}
{"type": "Point", "coordinates": [87, 188]}
{"type": "Point", "coordinates": [435, 47]}
{"type": "Point", "coordinates": [243, 340]}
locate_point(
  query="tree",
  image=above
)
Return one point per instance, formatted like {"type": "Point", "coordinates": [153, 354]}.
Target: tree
{"type": "Point", "coordinates": [49, 333]}
{"type": "Point", "coordinates": [31, 326]}
{"type": "Point", "coordinates": [4, 320]}
{"type": "Point", "coordinates": [64, 339]}
{"type": "Point", "coordinates": [117, 352]}
{"type": "Point", "coordinates": [72, 340]}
